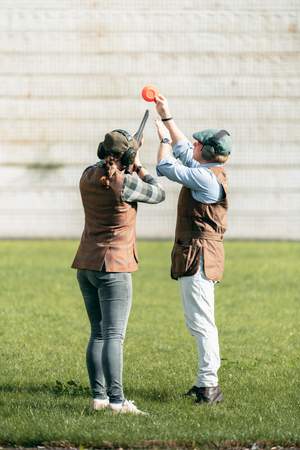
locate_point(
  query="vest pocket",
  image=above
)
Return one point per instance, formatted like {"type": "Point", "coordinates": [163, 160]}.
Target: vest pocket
{"type": "Point", "coordinates": [213, 256]}
{"type": "Point", "coordinates": [185, 259]}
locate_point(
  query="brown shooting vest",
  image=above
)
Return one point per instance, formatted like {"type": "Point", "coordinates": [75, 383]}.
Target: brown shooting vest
{"type": "Point", "coordinates": [199, 231]}
{"type": "Point", "coordinates": [109, 236]}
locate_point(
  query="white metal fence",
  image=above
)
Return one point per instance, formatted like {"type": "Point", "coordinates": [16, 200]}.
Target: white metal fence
{"type": "Point", "coordinates": [72, 70]}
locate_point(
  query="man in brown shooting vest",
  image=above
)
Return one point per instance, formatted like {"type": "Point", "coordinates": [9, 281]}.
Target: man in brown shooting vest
{"type": "Point", "coordinates": [198, 254]}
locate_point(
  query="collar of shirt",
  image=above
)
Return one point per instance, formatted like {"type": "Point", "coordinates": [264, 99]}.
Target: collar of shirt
{"type": "Point", "coordinates": [211, 164]}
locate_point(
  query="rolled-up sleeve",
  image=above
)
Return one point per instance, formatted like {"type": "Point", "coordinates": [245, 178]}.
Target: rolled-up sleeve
{"type": "Point", "coordinates": [169, 166]}
{"type": "Point", "coordinates": [147, 190]}
{"type": "Point", "coordinates": [183, 150]}
{"type": "Point", "coordinates": [195, 178]}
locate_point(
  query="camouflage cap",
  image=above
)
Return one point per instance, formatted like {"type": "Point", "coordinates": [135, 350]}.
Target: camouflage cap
{"type": "Point", "coordinates": [224, 146]}
{"type": "Point", "coordinates": [117, 142]}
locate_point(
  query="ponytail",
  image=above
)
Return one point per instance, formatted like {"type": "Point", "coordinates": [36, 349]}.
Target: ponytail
{"type": "Point", "coordinates": [110, 169]}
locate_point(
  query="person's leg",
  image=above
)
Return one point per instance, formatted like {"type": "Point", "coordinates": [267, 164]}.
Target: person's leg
{"type": "Point", "coordinates": [95, 344]}
{"type": "Point", "coordinates": [115, 295]}
{"type": "Point", "coordinates": [198, 302]}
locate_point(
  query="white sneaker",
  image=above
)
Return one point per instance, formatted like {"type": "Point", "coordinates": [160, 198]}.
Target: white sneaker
{"type": "Point", "coordinates": [98, 404]}
{"type": "Point", "coordinates": [126, 407]}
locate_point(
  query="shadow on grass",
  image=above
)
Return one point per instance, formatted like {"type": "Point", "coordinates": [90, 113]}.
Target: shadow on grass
{"type": "Point", "coordinates": [59, 388]}
{"type": "Point", "coordinates": [73, 389]}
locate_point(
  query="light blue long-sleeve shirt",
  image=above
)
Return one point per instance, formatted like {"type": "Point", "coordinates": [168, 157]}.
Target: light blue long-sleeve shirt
{"type": "Point", "coordinates": [203, 183]}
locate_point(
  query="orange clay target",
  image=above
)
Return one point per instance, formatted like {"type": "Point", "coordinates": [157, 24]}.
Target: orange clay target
{"type": "Point", "coordinates": [149, 93]}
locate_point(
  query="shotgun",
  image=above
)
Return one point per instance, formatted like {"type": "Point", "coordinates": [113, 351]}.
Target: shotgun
{"type": "Point", "coordinates": [139, 134]}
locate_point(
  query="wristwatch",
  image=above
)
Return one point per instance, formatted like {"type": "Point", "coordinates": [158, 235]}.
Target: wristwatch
{"type": "Point", "coordinates": [165, 140]}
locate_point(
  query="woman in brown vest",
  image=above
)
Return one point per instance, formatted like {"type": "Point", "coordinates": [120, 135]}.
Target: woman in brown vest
{"type": "Point", "coordinates": [106, 257]}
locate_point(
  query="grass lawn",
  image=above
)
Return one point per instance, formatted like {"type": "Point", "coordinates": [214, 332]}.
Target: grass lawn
{"type": "Point", "coordinates": [44, 394]}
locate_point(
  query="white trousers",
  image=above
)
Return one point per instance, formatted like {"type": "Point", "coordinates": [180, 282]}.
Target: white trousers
{"type": "Point", "coordinates": [197, 294]}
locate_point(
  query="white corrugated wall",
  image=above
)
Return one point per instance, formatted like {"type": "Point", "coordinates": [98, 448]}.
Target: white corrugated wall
{"type": "Point", "coordinates": [71, 70]}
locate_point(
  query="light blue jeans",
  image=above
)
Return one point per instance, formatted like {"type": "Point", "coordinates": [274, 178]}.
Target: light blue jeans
{"type": "Point", "coordinates": [108, 298]}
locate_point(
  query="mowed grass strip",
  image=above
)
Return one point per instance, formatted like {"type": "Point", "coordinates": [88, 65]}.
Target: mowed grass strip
{"type": "Point", "coordinates": [44, 330]}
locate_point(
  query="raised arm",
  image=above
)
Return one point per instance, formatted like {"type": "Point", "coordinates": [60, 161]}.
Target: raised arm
{"type": "Point", "coordinates": [182, 149]}
{"type": "Point", "coordinates": [163, 110]}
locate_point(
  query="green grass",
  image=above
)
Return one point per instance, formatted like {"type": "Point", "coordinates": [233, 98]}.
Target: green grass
{"type": "Point", "coordinates": [43, 381]}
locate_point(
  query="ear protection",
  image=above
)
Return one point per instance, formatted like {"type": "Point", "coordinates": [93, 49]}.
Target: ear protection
{"type": "Point", "coordinates": [212, 146]}
{"type": "Point", "coordinates": [101, 151]}
{"type": "Point", "coordinates": [128, 157]}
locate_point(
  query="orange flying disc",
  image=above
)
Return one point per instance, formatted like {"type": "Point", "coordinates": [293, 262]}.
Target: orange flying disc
{"type": "Point", "coordinates": [149, 93]}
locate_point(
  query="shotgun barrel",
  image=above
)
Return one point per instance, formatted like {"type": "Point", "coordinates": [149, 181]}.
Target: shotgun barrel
{"type": "Point", "coordinates": [139, 134]}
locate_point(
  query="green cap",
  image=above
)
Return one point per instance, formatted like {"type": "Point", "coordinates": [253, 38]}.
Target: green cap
{"type": "Point", "coordinates": [224, 146]}
{"type": "Point", "coordinates": [118, 142]}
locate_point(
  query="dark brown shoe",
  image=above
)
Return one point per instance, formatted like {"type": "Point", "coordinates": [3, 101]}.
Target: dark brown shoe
{"type": "Point", "coordinates": [209, 395]}
{"type": "Point", "coordinates": [192, 392]}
